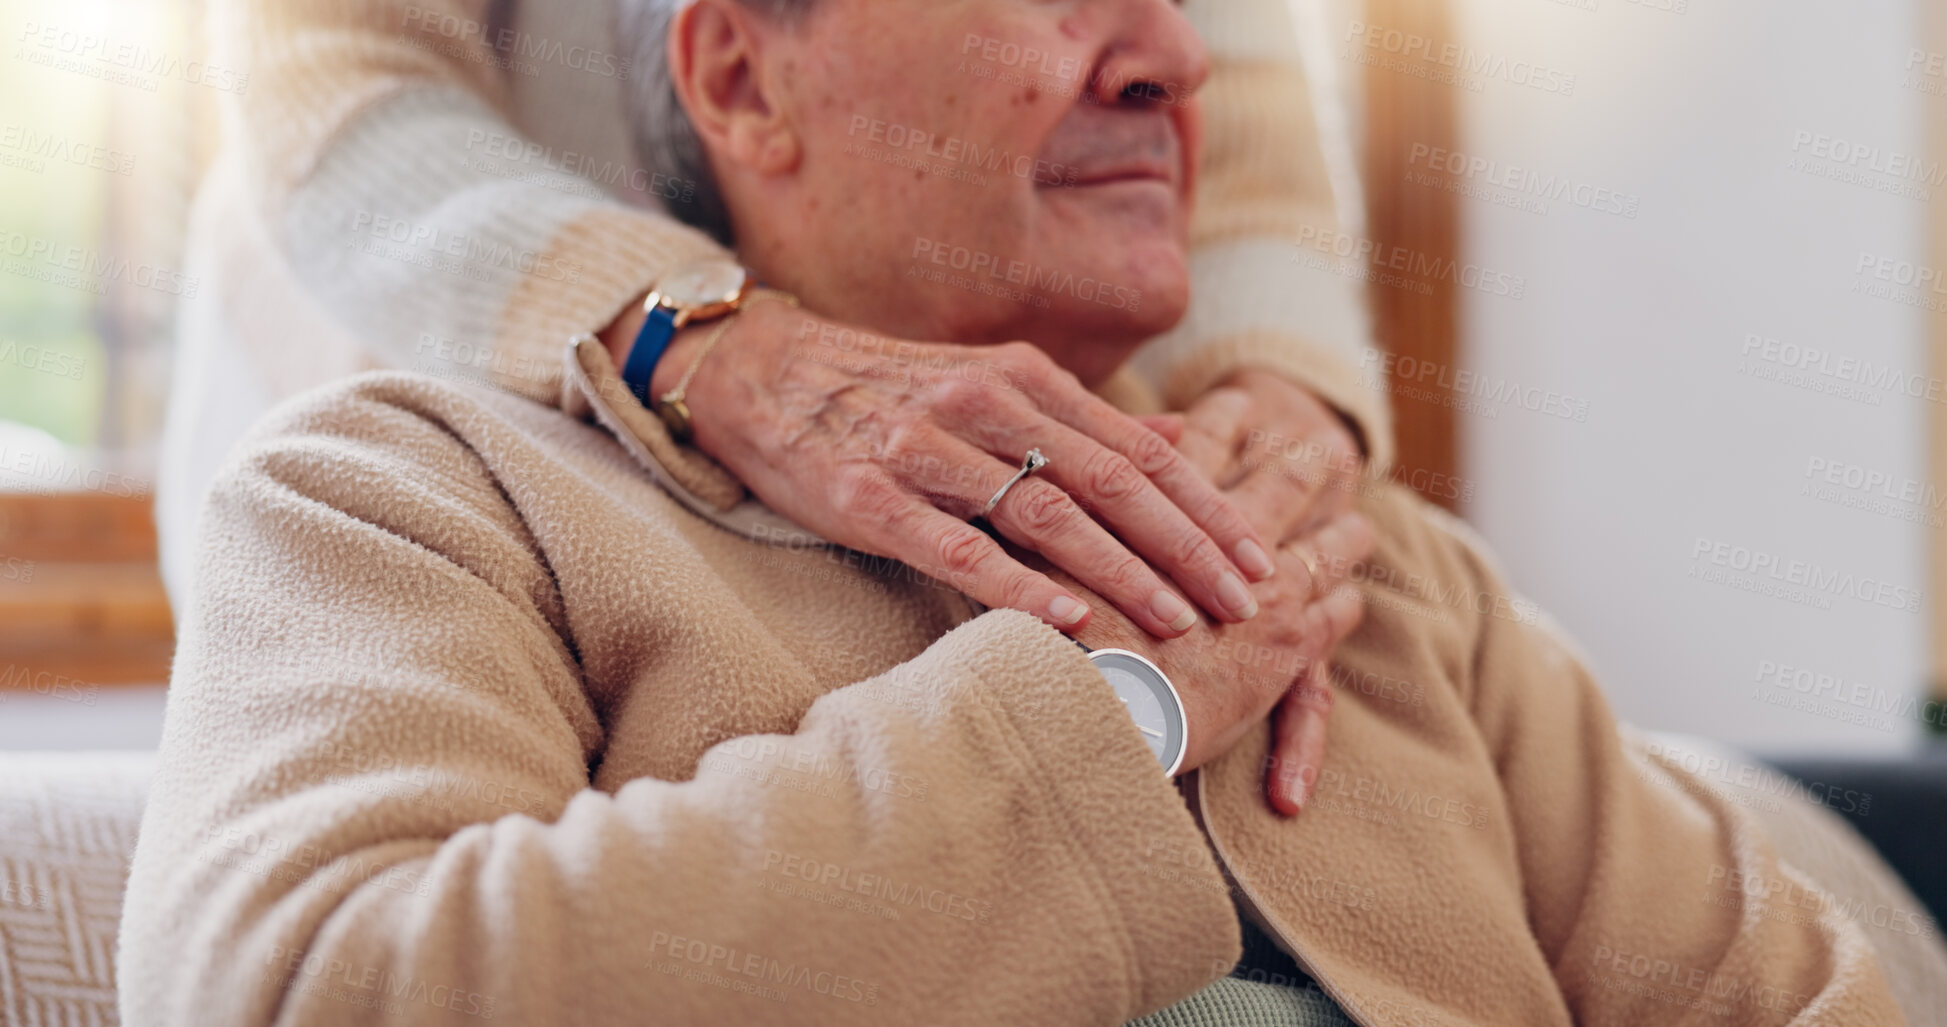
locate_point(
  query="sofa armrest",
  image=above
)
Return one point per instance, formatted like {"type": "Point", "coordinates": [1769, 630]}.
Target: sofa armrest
{"type": "Point", "coordinates": [1906, 818]}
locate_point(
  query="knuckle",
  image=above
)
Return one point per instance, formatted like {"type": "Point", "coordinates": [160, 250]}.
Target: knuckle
{"type": "Point", "coordinates": [958, 397]}
{"type": "Point", "coordinates": [1043, 509]}
{"type": "Point", "coordinates": [1193, 548]}
{"type": "Point", "coordinates": [1210, 507]}
{"type": "Point", "coordinates": [1152, 454]}
{"type": "Point", "coordinates": [905, 451]}
{"type": "Point", "coordinates": [1110, 475]}
{"type": "Point", "coordinates": [963, 551]}
{"type": "Point", "coordinates": [1018, 590]}
{"type": "Point", "coordinates": [1130, 576]}
{"type": "Point", "coordinates": [1314, 629]}
{"type": "Point", "coordinates": [864, 492]}
{"type": "Point", "coordinates": [1024, 357]}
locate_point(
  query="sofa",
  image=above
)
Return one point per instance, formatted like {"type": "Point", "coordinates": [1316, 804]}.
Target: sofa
{"type": "Point", "coordinates": [68, 823]}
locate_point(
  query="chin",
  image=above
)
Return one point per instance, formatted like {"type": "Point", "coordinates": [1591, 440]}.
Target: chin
{"type": "Point", "coordinates": [1154, 277]}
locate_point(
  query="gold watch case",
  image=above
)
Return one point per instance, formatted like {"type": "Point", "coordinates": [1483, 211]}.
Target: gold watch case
{"type": "Point", "coordinates": [701, 291]}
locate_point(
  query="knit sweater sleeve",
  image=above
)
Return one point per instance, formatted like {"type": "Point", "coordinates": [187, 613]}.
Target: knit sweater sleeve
{"type": "Point", "coordinates": [1264, 204]}
{"type": "Point", "coordinates": [374, 799]}
{"type": "Point", "coordinates": [369, 139]}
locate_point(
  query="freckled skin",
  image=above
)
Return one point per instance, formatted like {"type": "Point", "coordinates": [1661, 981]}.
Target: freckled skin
{"type": "Point", "coordinates": [1123, 222]}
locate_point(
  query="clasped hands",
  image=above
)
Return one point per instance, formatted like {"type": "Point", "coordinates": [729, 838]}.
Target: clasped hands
{"type": "Point", "coordinates": [892, 447]}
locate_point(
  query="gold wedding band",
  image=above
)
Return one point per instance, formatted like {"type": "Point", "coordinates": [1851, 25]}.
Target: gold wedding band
{"type": "Point", "coordinates": [1311, 566]}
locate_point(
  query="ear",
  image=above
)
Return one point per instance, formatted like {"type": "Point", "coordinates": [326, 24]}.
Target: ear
{"type": "Point", "coordinates": [716, 63]}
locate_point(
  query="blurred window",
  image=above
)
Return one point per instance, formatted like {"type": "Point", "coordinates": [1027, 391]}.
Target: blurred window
{"type": "Point", "coordinates": [106, 119]}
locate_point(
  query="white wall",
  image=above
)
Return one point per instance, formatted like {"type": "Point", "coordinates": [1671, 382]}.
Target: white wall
{"type": "Point", "coordinates": [1696, 114]}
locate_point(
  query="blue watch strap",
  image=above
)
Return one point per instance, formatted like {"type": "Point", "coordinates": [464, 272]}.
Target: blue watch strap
{"type": "Point", "coordinates": [650, 345]}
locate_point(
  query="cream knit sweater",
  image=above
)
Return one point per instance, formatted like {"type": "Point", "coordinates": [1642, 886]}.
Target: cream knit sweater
{"type": "Point", "coordinates": [442, 186]}
{"type": "Point", "coordinates": [487, 710]}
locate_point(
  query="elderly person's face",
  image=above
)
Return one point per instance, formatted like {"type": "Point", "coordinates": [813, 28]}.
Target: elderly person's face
{"type": "Point", "coordinates": [961, 170]}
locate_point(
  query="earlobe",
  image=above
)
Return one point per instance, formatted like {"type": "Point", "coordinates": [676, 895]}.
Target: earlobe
{"type": "Point", "coordinates": [766, 149]}
{"type": "Point", "coordinates": [716, 61]}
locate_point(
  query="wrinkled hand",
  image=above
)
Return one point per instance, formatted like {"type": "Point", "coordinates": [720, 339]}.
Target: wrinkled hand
{"type": "Point", "coordinates": [891, 447]}
{"type": "Point", "coordinates": [1285, 455]}
{"type": "Point", "coordinates": [1230, 675]}
{"type": "Point", "coordinates": [1288, 463]}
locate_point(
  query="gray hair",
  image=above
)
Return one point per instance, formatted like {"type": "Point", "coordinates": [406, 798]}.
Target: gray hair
{"type": "Point", "coordinates": [665, 141]}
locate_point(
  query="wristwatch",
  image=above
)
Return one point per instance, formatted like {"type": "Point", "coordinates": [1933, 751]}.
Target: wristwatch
{"type": "Point", "coordinates": [689, 294]}
{"type": "Point", "coordinates": [1150, 698]}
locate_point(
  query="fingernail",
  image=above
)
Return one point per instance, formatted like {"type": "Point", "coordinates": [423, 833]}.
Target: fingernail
{"type": "Point", "coordinates": [1236, 596]}
{"type": "Point", "coordinates": [1172, 611]}
{"type": "Point", "coordinates": [1067, 611]}
{"type": "Point", "coordinates": [1252, 560]}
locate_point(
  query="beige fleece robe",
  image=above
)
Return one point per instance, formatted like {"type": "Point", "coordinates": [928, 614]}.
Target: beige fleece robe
{"type": "Point", "coordinates": [484, 710]}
